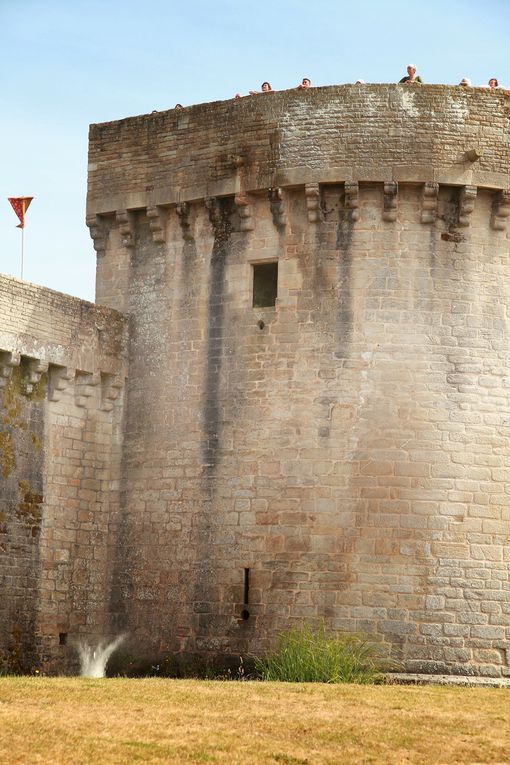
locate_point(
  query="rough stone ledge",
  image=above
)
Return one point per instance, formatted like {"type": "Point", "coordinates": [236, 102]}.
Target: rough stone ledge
{"type": "Point", "coordinates": [404, 678]}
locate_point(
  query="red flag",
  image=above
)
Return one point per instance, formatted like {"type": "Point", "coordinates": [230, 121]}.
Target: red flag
{"type": "Point", "coordinates": [20, 205]}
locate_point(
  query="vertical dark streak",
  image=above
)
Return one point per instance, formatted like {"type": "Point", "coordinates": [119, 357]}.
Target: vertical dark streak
{"type": "Point", "coordinates": [345, 315]}
{"type": "Point", "coordinates": [214, 350]}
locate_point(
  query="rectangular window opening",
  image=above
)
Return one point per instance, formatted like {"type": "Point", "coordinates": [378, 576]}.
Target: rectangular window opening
{"type": "Point", "coordinates": [265, 284]}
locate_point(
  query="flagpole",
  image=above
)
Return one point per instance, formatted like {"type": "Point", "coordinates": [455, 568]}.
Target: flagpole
{"type": "Point", "coordinates": [20, 206]}
{"type": "Point", "coordinates": [24, 208]}
{"type": "Point", "coordinates": [22, 248]}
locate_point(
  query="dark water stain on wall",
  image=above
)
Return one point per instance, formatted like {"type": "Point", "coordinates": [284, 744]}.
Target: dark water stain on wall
{"type": "Point", "coordinates": [221, 219]}
{"type": "Point", "coordinates": [189, 288]}
{"type": "Point", "coordinates": [345, 232]}
{"type": "Point", "coordinates": [204, 572]}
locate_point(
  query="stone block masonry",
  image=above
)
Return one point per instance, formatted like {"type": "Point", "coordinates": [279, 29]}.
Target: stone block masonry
{"type": "Point", "coordinates": [348, 445]}
{"type": "Point", "coordinates": [339, 455]}
{"type": "Point", "coordinates": [62, 376]}
{"type": "Point", "coordinates": [348, 133]}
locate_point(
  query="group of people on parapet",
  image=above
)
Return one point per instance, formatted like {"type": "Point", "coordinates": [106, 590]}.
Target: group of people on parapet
{"type": "Point", "coordinates": [266, 87]}
{"type": "Point", "coordinates": [410, 78]}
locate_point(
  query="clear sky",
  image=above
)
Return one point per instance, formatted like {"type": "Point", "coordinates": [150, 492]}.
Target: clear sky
{"type": "Point", "coordinates": [68, 63]}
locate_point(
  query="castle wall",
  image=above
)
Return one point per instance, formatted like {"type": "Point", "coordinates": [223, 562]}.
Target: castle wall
{"type": "Point", "coordinates": [345, 452]}
{"type": "Point", "coordinates": [351, 453]}
{"type": "Point", "coordinates": [62, 373]}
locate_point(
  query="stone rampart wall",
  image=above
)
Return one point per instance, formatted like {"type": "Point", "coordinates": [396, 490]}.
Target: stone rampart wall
{"type": "Point", "coordinates": [62, 371]}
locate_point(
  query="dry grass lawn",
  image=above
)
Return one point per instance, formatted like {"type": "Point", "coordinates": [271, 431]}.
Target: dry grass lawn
{"type": "Point", "coordinates": [81, 721]}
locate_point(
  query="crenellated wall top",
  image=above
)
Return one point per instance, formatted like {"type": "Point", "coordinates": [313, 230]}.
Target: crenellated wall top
{"type": "Point", "coordinates": [380, 133]}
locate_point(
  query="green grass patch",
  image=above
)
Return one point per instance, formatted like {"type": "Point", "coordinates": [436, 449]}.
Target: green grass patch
{"type": "Point", "coordinates": [304, 655]}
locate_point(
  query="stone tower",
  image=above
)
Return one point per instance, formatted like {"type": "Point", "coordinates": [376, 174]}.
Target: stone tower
{"type": "Point", "coordinates": [316, 413]}
{"type": "Point", "coordinates": [326, 437]}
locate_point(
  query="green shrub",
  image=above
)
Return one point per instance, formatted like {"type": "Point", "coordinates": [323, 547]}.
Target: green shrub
{"type": "Point", "coordinates": [305, 656]}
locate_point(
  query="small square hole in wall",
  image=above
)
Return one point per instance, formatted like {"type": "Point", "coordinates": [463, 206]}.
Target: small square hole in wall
{"type": "Point", "coordinates": [62, 638]}
{"type": "Point", "coordinates": [265, 284]}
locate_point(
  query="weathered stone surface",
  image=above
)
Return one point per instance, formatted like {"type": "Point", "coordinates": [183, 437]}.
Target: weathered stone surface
{"type": "Point", "coordinates": [376, 133]}
{"type": "Point", "coordinates": [348, 446]}
{"type": "Point", "coordinates": [59, 471]}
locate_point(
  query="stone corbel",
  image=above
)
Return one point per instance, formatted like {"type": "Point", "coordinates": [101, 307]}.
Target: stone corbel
{"type": "Point", "coordinates": [126, 227]}
{"type": "Point", "coordinates": [110, 389]}
{"type": "Point", "coordinates": [84, 385]}
{"type": "Point", "coordinates": [58, 380]}
{"type": "Point", "coordinates": [429, 202]}
{"type": "Point", "coordinates": [34, 371]}
{"type": "Point", "coordinates": [351, 189]}
{"type": "Point", "coordinates": [245, 212]}
{"type": "Point", "coordinates": [390, 201]}
{"type": "Point", "coordinates": [500, 209]}
{"type": "Point", "coordinates": [182, 210]}
{"type": "Point", "coordinates": [98, 233]}
{"type": "Point", "coordinates": [277, 205]}
{"type": "Point", "coordinates": [467, 199]}
{"type": "Point", "coordinates": [8, 360]}
{"type": "Point", "coordinates": [156, 218]}
{"type": "Point", "coordinates": [313, 202]}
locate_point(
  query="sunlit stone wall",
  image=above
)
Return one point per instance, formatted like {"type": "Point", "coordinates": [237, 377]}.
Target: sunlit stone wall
{"type": "Point", "coordinates": [342, 455]}
{"type": "Point", "coordinates": [61, 389]}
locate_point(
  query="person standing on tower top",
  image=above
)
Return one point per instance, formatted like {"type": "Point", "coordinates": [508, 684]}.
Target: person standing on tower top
{"type": "Point", "coordinates": [305, 83]}
{"type": "Point", "coordinates": [265, 88]}
{"type": "Point", "coordinates": [411, 75]}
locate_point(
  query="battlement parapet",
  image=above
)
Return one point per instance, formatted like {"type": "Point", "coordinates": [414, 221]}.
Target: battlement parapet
{"type": "Point", "coordinates": [379, 133]}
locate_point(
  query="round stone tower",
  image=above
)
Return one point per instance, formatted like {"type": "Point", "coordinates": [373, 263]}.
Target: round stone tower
{"type": "Point", "coordinates": [317, 415]}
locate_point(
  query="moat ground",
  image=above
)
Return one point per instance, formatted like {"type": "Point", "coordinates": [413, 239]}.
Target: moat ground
{"type": "Point", "coordinates": [75, 720]}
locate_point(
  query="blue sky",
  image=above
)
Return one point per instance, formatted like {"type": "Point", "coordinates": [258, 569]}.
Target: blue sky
{"type": "Point", "coordinates": [67, 64]}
